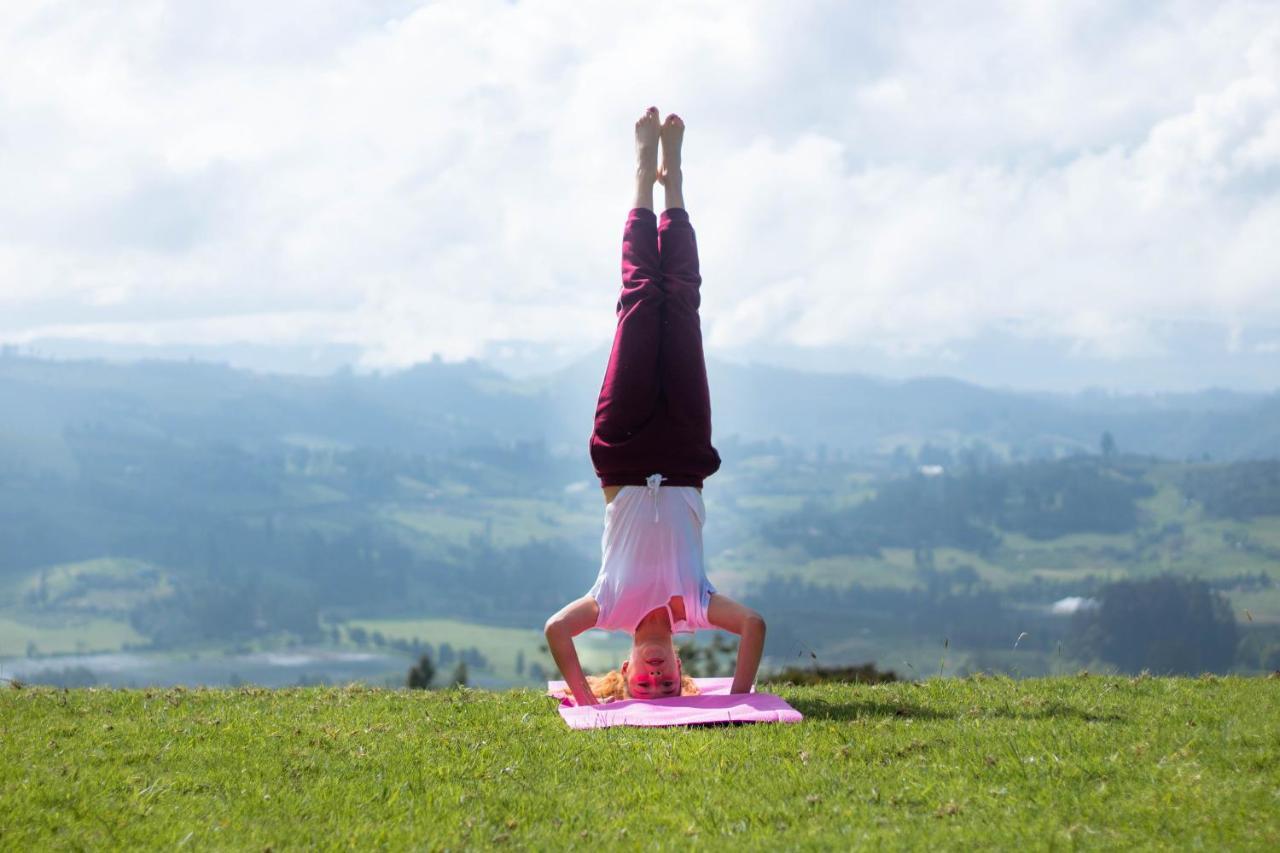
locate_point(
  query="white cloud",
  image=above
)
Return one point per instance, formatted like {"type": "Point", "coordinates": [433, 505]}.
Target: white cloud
{"type": "Point", "coordinates": [419, 179]}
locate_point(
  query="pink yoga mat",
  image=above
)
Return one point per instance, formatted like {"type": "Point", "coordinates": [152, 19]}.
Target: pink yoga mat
{"type": "Point", "coordinates": [715, 704]}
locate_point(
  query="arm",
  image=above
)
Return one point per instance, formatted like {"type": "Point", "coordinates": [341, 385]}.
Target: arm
{"type": "Point", "coordinates": [729, 615]}
{"type": "Point", "coordinates": [574, 618]}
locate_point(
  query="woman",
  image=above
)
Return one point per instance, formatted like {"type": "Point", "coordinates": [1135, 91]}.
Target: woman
{"type": "Point", "coordinates": [651, 448]}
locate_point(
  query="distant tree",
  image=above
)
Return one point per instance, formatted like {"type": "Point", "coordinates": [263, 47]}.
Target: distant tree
{"type": "Point", "coordinates": [74, 676]}
{"type": "Point", "coordinates": [977, 457]}
{"type": "Point", "coordinates": [378, 638]}
{"type": "Point", "coordinates": [862, 674]}
{"type": "Point", "coordinates": [1240, 490]}
{"type": "Point", "coordinates": [713, 659]}
{"type": "Point", "coordinates": [474, 658]}
{"type": "Point", "coordinates": [358, 635]}
{"type": "Point", "coordinates": [520, 662]}
{"type": "Point", "coordinates": [447, 655]}
{"type": "Point", "coordinates": [421, 673]}
{"type": "Point", "coordinates": [1166, 624]}
{"type": "Point", "coordinates": [931, 455]}
{"type": "Point", "coordinates": [459, 675]}
{"type": "Point", "coordinates": [967, 576]}
{"type": "Point", "coordinates": [537, 672]}
{"type": "Point", "coordinates": [1107, 445]}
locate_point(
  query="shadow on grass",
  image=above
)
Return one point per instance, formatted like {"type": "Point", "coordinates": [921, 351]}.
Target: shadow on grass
{"type": "Point", "coordinates": [1056, 710]}
{"type": "Point", "coordinates": [818, 709]}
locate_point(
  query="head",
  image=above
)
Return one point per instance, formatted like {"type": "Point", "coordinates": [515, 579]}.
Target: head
{"type": "Point", "coordinates": [653, 670]}
{"type": "Point", "coordinates": [649, 673]}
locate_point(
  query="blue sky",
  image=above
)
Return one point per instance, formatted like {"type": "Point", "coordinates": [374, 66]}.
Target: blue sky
{"type": "Point", "coordinates": [896, 188]}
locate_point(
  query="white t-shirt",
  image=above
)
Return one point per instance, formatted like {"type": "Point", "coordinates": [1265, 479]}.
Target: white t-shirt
{"type": "Point", "coordinates": [652, 551]}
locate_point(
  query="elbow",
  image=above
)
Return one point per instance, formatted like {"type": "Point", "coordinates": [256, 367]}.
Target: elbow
{"type": "Point", "coordinates": [754, 624]}
{"type": "Point", "coordinates": [554, 629]}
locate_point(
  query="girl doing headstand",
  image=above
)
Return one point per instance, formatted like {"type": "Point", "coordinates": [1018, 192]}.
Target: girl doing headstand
{"type": "Point", "coordinates": [651, 448]}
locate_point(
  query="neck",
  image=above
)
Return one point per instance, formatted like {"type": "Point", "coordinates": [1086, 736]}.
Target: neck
{"type": "Point", "coordinates": [654, 626]}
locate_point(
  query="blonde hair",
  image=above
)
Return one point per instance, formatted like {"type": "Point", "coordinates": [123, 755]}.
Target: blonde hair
{"type": "Point", "coordinates": [612, 685]}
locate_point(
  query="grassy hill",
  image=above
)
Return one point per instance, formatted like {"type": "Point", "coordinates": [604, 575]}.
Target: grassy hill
{"type": "Point", "coordinates": [1042, 764]}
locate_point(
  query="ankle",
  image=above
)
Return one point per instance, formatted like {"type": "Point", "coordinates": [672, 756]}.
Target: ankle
{"type": "Point", "coordinates": [643, 198]}
{"type": "Point", "coordinates": [674, 195]}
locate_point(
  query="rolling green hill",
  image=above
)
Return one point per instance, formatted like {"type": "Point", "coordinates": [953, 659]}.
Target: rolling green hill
{"type": "Point", "coordinates": [196, 510]}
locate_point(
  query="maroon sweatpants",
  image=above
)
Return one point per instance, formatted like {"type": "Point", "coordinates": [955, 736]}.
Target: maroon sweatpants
{"type": "Point", "coordinates": [654, 412]}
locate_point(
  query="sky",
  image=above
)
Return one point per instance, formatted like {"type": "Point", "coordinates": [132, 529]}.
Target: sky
{"type": "Point", "coordinates": [1062, 194]}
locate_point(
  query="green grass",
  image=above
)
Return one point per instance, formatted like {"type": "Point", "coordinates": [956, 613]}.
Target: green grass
{"type": "Point", "coordinates": [1166, 505]}
{"type": "Point", "coordinates": [438, 524]}
{"type": "Point", "coordinates": [1266, 531]}
{"type": "Point", "coordinates": [105, 584]}
{"type": "Point", "coordinates": [68, 634]}
{"type": "Point", "coordinates": [506, 522]}
{"type": "Point", "coordinates": [894, 567]}
{"type": "Point", "coordinates": [981, 762]}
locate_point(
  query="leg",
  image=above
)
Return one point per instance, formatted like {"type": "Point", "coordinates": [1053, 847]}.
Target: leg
{"type": "Point", "coordinates": [630, 395]}
{"type": "Point", "coordinates": [630, 391]}
{"type": "Point", "coordinates": [683, 367]}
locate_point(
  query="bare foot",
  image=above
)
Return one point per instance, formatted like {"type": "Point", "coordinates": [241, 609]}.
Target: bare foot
{"type": "Point", "coordinates": [672, 138]}
{"type": "Point", "coordinates": [647, 130]}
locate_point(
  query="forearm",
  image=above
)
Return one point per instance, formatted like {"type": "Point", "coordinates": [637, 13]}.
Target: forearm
{"type": "Point", "coordinates": [728, 615]}
{"type": "Point", "coordinates": [565, 654]}
{"type": "Point", "coordinates": [750, 648]}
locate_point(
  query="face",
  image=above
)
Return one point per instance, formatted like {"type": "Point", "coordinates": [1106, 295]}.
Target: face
{"type": "Point", "coordinates": [652, 671]}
